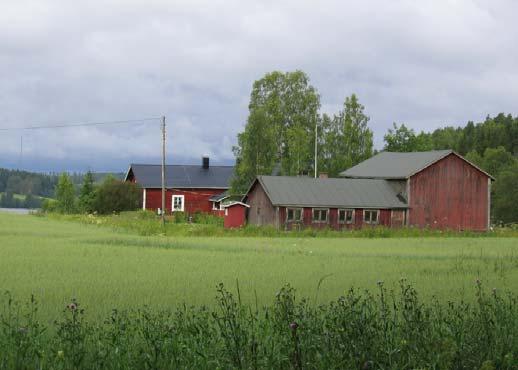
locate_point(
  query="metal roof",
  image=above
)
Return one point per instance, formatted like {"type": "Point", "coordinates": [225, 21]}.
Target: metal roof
{"type": "Point", "coordinates": [219, 197]}
{"type": "Point", "coordinates": [332, 193]}
{"type": "Point", "coordinates": [182, 176]}
{"type": "Point", "coordinates": [395, 165]}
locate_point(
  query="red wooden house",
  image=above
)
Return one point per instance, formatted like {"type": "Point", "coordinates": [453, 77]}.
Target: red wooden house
{"type": "Point", "coordinates": [436, 189]}
{"type": "Point", "coordinates": [189, 188]}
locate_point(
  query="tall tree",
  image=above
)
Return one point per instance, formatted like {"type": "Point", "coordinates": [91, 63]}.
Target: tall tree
{"type": "Point", "coordinates": [65, 194]}
{"type": "Point", "coordinates": [87, 193]}
{"type": "Point", "coordinates": [402, 139]}
{"type": "Point", "coordinates": [505, 196]}
{"type": "Point", "coordinates": [256, 150]}
{"type": "Point", "coordinates": [281, 104]}
{"type": "Point", "coordinates": [348, 139]}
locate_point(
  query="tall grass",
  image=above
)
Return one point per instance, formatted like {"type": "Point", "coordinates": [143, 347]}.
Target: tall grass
{"type": "Point", "coordinates": [148, 224]}
{"type": "Point", "coordinates": [360, 330]}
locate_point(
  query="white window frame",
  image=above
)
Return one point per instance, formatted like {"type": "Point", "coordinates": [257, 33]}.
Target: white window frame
{"type": "Point", "coordinates": [319, 210]}
{"type": "Point", "coordinates": [220, 208]}
{"type": "Point", "coordinates": [377, 211]}
{"type": "Point", "coordinates": [182, 197]}
{"type": "Point", "coordinates": [294, 213]}
{"type": "Point", "coordinates": [345, 218]}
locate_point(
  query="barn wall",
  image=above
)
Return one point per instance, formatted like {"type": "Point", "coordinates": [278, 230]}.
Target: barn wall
{"type": "Point", "coordinates": [261, 211]}
{"type": "Point", "coordinates": [384, 219]}
{"type": "Point", "coordinates": [450, 194]}
{"type": "Point", "coordinates": [196, 200]}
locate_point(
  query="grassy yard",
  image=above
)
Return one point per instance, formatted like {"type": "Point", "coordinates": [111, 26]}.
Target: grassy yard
{"type": "Point", "coordinates": [102, 268]}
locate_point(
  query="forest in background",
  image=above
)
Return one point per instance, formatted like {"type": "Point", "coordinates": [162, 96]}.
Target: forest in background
{"type": "Point", "coordinates": [23, 189]}
{"type": "Point", "coordinates": [284, 121]}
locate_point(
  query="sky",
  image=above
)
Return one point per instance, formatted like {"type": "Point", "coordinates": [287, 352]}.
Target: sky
{"type": "Point", "coordinates": [423, 63]}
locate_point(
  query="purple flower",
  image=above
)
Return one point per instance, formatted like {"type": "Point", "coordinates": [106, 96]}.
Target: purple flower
{"type": "Point", "coordinates": [294, 326]}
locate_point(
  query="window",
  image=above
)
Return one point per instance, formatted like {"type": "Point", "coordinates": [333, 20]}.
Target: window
{"type": "Point", "coordinates": [178, 203]}
{"type": "Point", "coordinates": [320, 215]}
{"type": "Point", "coordinates": [346, 216]}
{"type": "Point", "coordinates": [370, 217]}
{"type": "Point", "coordinates": [217, 206]}
{"type": "Point", "coordinates": [294, 214]}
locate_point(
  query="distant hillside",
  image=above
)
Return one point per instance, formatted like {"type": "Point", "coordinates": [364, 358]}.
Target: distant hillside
{"type": "Point", "coordinates": [40, 184]}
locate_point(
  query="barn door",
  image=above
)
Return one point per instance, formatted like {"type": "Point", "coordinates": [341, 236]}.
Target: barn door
{"type": "Point", "coordinates": [397, 218]}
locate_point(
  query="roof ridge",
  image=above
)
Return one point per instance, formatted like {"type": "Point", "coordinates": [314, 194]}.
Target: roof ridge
{"type": "Point", "coordinates": [182, 165]}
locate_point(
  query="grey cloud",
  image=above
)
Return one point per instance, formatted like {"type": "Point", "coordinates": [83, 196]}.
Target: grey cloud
{"type": "Point", "coordinates": [425, 63]}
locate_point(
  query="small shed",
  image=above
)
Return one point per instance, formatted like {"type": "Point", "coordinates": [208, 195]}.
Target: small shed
{"type": "Point", "coordinates": [235, 214]}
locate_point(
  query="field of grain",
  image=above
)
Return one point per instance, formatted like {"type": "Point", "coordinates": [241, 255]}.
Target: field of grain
{"type": "Point", "coordinates": [57, 261]}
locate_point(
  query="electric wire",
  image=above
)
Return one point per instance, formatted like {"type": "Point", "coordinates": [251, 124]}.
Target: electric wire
{"type": "Point", "coordinates": [65, 125]}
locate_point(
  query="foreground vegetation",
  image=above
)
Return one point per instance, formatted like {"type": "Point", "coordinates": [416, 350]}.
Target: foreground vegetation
{"type": "Point", "coordinates": [359, 330]}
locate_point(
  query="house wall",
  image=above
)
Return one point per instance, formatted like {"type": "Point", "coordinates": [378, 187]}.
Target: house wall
{"type": "Point", "coordinates": [332, 221]}
{"type": "Point", "coordinates": [261, 211]}
{"type": "Point", "coordinates": [196, 200]}
{"type": "Point", "coordinates": [450, 194]}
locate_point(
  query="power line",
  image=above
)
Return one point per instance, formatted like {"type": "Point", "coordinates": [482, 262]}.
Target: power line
{"type": "Point", "coordinates": [64, 125]}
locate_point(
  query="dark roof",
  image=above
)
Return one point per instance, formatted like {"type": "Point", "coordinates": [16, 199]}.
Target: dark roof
{"type": "Point", "coordinates": [394, 165]}
{"type": "Point", "coordinates": [333, 193]}
{"type": "Point", "coordinates": [399, 165]}
{"type": "Point", "coordinates": [182, 176]}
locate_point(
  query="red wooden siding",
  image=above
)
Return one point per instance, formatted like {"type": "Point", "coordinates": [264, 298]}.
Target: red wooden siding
{"type": "Point", "coordinates": [450, 194]}
{"type": "Point", "coordinates": [235, 216]}
{"type": "Point", "coordinates": [332, 221]}
{"type": "Point", "coordinates": [195, 200]}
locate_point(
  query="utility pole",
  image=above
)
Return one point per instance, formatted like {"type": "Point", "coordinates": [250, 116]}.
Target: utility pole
{"type": "Point", "coordinates": [163, 171]}
{"type": "Point", "coordinates": [316, 144]}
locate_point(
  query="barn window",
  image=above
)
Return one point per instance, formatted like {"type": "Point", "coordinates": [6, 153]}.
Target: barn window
{"type": "Point", "coordinates": [371, 216]}
{"type": "Point", "coordinates": [217, 206]}
{"type": "Point", "coordinates": [346, 216]}
{"type": "Point", "coordinates": [320, 215]}
{"type": "Point", "coordinates": [178, 203]}
{"type": "Point", "coordinates": [294, 214]}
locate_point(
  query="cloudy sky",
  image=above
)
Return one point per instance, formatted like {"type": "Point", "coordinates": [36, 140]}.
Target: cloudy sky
{"type": "Point", "coordinates": [424, 63]}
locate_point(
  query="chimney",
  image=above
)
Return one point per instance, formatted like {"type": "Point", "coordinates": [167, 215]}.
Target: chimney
{"type": "Point", "coordinates": [323, 175]}
{"type": "Point", "coordinates": [205, 162]}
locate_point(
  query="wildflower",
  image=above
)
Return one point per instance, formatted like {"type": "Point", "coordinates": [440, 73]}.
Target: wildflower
{"type": "Point", "coordinates": [367, 365]}
{"type": "Point", "coordinates": [72, 306]}
{"type": "Point", "coordinates": [294, 326]}
{"type": "Point", "coordinates": [22, 330]}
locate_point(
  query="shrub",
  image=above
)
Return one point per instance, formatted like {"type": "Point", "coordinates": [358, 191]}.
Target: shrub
{"type": "Point", "coordinates": [115, 196]}
{"type": "Point", "coordinates": [359, 330]}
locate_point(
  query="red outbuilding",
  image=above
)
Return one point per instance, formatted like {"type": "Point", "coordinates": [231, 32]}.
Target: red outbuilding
{"type": "Point", "coordinates": [435, 189]}
{"type": "Point", "coordinates": [235, 214]}
{"type": "Point", "coordinates": [189, 188]}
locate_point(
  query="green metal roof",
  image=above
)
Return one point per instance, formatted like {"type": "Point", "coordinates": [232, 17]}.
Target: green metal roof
{"type": "Point", "coordinates": [331, 193]}
{"type": "Point", "coordinates": [392, 165]}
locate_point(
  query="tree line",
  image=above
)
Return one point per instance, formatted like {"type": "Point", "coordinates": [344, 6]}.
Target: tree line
{"type": "Point", "coordinates": [284, 121]}
{"type": "Point", "coordinates": [110, 196]}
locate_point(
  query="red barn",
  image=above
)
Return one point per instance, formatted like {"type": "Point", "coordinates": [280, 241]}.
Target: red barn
{"type": "Point", "coordinates": [189, 188]}
{"type": "Point", "coordinates": [435, 189]}
{"type": "Point", "coordinates": [443, 190]}
{"type": "Point", "coordinates": [297, 202]}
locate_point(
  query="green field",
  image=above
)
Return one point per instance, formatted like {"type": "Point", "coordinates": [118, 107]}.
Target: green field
{"type": "Point", "coordinates": [103, 269]}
